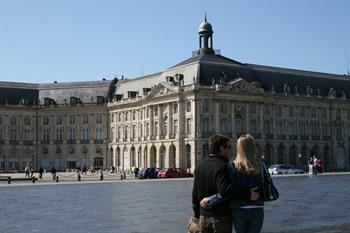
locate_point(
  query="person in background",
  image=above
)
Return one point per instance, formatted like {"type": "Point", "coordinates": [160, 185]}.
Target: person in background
{"type": "Point", "coordinates": [41, 170]}
{"type": "Point", "coordinates": [27, 170]}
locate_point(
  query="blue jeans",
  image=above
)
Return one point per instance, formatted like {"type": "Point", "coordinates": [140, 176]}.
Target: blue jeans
{"type": "Point", "coordinates": [248, 220]}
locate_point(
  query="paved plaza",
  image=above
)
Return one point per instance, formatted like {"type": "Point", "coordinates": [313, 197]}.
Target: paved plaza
{"type": "Point", "coordinates": [306, 204]}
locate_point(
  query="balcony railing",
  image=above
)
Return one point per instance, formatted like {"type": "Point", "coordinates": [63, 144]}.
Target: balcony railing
{"type": "Point", "coordinates": [84, 141]}
{"type": "Point", "coordinates": [98, 141]}
{"type": "Point", "coordinates": [71, 141]}
{"type": "Point", "coordinates": [326, 138]}
{"type": "Point", "coordinates": [269, 136]}
{"type": "Point", "coordinates": [2, 142]}
{"type": "Point", "coordinates": [43, 142]}
{"type": "Point", "coordinates": [58, 142]}
{"type": "Point", "coordinates": [304, 137]}
{"type": "Point", "coordinates": [281, 137]}
{"type": "Point", "coordinates": [293, 137]}
{"type": "Point", "coordinates": [28, 142]}
{"type": "Point", "coordinates": [13, 142]}
{"type": "Point", "coordinates": [315, 138]}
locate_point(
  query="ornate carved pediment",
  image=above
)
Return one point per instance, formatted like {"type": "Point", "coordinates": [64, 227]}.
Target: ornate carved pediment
{"type": "Point", "coordinates": [239, 85]}
{"type": "Point", "coordinates": [159, 90]}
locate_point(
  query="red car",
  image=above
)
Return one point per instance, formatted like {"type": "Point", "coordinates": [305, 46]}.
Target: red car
{"type": "Point", "coordinates": [174, 173]}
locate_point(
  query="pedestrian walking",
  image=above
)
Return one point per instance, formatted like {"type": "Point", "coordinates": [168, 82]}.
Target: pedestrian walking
{"type": "Point", "coordinates": [211, 177]}
{"type": "Point", "coordinates": [314, 163]}
{"type": "Point", "coordinates": [53, 173]}
{"type": "Point", "coordinates": [41, 170]}
{"type": "Point", "coordinates": [311, 166]}
{"type": "Point", "coordinates": [27, 170]}
{"type": "Point", "coordinates": [31, 171]}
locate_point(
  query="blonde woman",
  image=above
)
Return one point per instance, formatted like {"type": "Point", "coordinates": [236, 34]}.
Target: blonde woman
{"type": "Point", "coordinates": [245, 172]}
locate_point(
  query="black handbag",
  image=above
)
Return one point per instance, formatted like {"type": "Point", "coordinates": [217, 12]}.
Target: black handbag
{"type": "Point", "coordinates": [268, 191]}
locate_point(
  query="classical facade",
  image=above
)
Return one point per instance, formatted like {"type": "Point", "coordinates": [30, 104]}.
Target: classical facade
{"type": "Point", "coordinates": [165, 119]}
{"type": "Point", "coordinates": [61, 125]}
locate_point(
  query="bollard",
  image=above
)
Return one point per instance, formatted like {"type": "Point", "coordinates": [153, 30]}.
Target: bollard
{"type": "Point", "coordinates": [9, 180]}
{"type": "Point", "coordinates": [79, 177]}
{"type": "Point", "coordinates": [121, 176]}
{"type": "Point", "coordinates": [33, 179]}
{"type": "Point", "coordinates": [57, 179]}
{"type": "Point", "coordinates": [101, 177]}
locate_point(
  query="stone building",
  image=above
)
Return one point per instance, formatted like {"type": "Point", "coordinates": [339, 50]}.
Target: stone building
{"type": "Point", "coordinates": [165, 119]}
{"type": "Point", "coordinates": [61, 124]}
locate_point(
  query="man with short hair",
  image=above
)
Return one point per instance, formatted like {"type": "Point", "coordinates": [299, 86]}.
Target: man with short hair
{"type": "Point", "coordinates": [211, 177]}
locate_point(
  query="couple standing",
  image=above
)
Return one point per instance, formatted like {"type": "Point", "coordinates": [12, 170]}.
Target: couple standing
{"type": "Point", "coordinates": [224, 194]}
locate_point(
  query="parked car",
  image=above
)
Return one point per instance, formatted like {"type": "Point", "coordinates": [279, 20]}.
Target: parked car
{"type": "Point", "coordinates": [141, 174]}
{"type": "Point", "coordinates": [148, 173]}
{"type": "Point", "coordinates": [285, 169]}
{"type": "Point", "coordinates": [174, 173]}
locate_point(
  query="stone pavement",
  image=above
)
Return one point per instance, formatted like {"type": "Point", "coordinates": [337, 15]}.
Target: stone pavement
{"type": "Point", "coordinates": [333, 229]}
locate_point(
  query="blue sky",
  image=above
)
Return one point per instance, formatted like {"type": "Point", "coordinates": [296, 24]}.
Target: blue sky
{"type": "Point", "coordinates": [75, 40]}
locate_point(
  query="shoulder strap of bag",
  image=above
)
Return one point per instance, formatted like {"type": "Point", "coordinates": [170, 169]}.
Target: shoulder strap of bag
{"type": "Point", "coordinates": [265, 171]}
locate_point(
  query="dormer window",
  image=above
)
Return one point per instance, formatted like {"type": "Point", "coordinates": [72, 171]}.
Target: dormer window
{"type": "Point", "coordinates": [100, 100]}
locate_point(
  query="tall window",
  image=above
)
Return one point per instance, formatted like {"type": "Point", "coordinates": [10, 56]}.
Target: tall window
{"type": "Point", "coordinates": [27, 120]}
{"type": "Point", "coordinates": [118, 132]}
{"type": "Point", "coordinates": [26, 135]}
{"type": "Point", "coordinates": [13, 120]}
{"type": "Point", "coordinates": [46, 120]}
{"type": "Point", "coordinates": [302, 112]}
{"type": "Point", "coordinates": [0, 120]}
{"type": "Point", "coordinates": [176, 108]}
{"type": "Point", "coordinates": [313, 112]}
{"type": "Point", "coordinates": [280, 128]}
{"type": "Point", "coordinates": [253, 127]}
{"type": "Point", "coordinates": [266, 109]}
{"type": "Point", "coordinates": [188, 125]}
{"type": "Point", "coordinates": [176, 126]}
{"type": "Point", "coordinates": [126, 116]}
{"type": "Point", "coordinates": [303, 128]}
{"type": "Point", "coordinates": [188, 106]}
{"type": "Point", "coordinates": [85, 119]}
{"type": "Point", "coordinates": [239, 126]}
{"type": "Point", "coordinates": [156, 110]}
{"type": "Point", "coordinates": [147, 129]}
{"type": "Point", "coordinates": [291, 128]}
{"type": "Point", "coordinates": [279, 111]}
{"type": "Point", "coordinates": [165, 132]}
{"type": "Point", "coordinates": [338, 114]}
{"type": "Point", "coordinates": [99, 134]}
{"type": "Point", "coordinates": [59, 134]}
{"type": "Point", "coordinates": [141, 130]}
{"type": "Point", "coordinates": [46, 135]}
{"type": "Point", "coordinates": [126, 129]}
{"type": "Point", "coordinates": [252, 108]}
{"type": "Point", "coordinates": [0, 134]}
{"type": "Point", "coordinates": [205, 124]}
{"type": "Point", "coordinates": [223, 125]}
{"type": "Point", "coordinates": [13, 135]}
{"type": "Point", "coordinates": [71, 134]}
{"type": "Point", "coordinates": [59, 120]}
{"type": "Point", "coordinates": [72, 119]}
{"type": "Point", "coordinates": [99, 119]}
{"type": "Point", "coordinates": [223, 106]}
{"type": "Point", "coordinates": [98, 162]}
{"type": "Point", "coordinates": [267, 127]}
{"type": "Point", "coordinates": [291, 111]}
{"type": "Point", "coordinates": [156, 128]}
{"type": "Point", "coordinates": [205, 105]}
{"type": "Point", "coordinates": [134, 131]}
{"type": "Point", "coordinates": [85, 134]}
{"type": "Point", "coordinates": [134, 115]}
{"type": "Point", "coordinates": [113, 133]}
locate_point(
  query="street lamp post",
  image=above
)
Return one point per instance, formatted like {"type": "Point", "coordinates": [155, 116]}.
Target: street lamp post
{"type": "Point", "coordinates": [299, 159]}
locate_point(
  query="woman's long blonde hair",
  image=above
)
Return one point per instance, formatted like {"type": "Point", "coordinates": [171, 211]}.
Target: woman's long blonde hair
{"type": "Point", "coordinates": [246, 161]}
